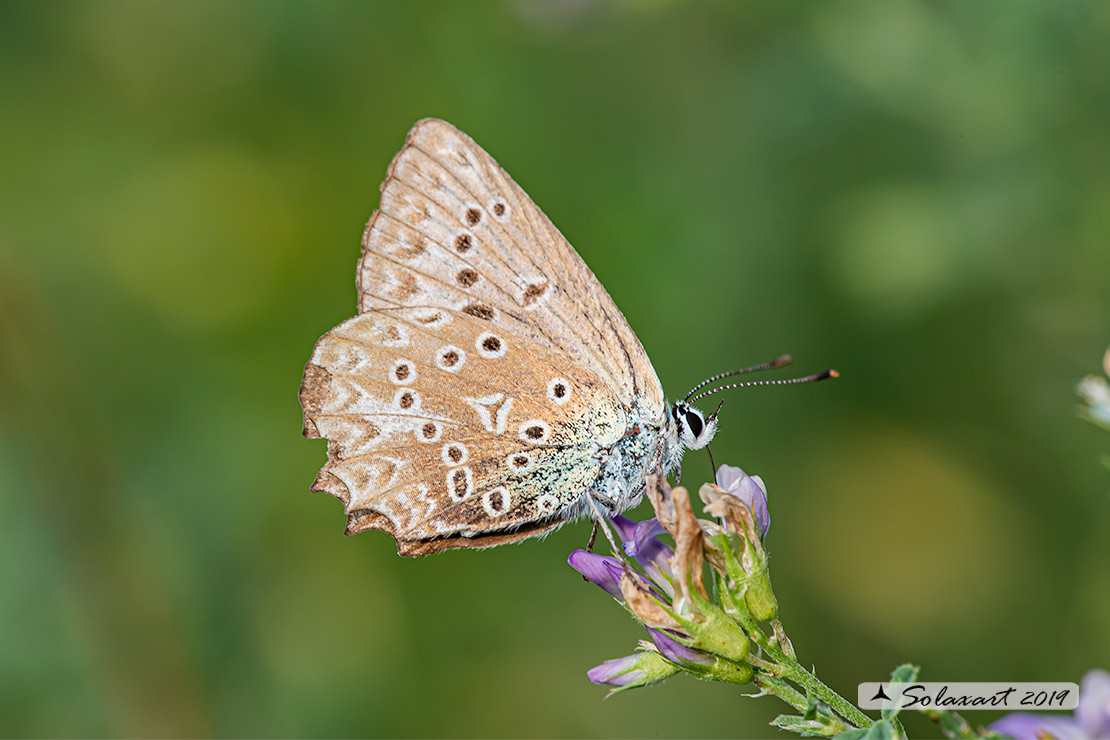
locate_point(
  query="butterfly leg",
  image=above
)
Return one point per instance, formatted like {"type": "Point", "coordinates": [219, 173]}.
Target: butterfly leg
{"type": "Point", "coordinates": [658, 467]}
{"type": "Point", "coordinates": [599, 521]}
{"type": "Point", "coordinates": [593, 536]}
{"type": "Point", "coordinates": [609, 502]}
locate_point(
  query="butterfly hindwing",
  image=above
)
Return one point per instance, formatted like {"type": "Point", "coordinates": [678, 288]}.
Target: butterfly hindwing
{"type": "Point", "coordinates": [440, 428]}
{"type": "Point", "coordinates": [488, 374]}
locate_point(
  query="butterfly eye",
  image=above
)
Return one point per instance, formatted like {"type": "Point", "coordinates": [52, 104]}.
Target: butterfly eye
{"type": "Point", "coordinates": [695, 422]}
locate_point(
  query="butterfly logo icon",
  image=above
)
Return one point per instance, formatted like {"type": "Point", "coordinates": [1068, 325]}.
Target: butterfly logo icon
{"type": "Point", "coordinates": [489, 389]}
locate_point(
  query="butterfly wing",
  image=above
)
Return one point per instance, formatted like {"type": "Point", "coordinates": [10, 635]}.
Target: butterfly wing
{"type": "Point", "coordinates": [467, 404]}
{"type": "Point", "coordinates": [443, 442]}
{"type": "Point", "coordinates": [450, 214]}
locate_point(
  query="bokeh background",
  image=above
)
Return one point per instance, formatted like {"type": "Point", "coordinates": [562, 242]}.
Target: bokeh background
{"type": "Point", "coordinates": [915, 193]}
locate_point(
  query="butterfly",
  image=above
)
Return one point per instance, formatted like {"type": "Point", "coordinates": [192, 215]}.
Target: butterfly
{"type": "Point", "coordinates": [489, 389]}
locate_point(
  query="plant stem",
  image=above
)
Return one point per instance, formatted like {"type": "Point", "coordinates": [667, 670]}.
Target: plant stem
{"type": "Point", "coordinates": [790, 695]}
{"type": "Point", "coordinates": [781, 689]}
{"type": "Point", "coordinates": [840, 705]}
{"type": "Point", "coordinates": [787, 665]}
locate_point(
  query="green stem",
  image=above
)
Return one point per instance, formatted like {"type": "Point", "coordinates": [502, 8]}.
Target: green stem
{"type": "Point", "coordinates": [840, 705]}
{"type": "Point", "coordinates": [790, 695]}
{"type": "Point", "coordinates": [787, 665]}
{"type": "Point", "coordinates": [781, 689]}
{"type": "Point", "coordinates": [766, 666]}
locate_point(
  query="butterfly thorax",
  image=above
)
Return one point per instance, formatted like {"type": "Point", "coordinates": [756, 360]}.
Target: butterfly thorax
{"type": "Point", "coordinates": [648, 446]}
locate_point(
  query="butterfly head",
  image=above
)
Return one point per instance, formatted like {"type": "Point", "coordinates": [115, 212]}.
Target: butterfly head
{"type": "Point", "coordinates": [695, 430]}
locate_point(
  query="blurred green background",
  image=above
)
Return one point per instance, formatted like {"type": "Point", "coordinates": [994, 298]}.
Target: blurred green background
{"type": "Point", "coordinates": [915, 193]}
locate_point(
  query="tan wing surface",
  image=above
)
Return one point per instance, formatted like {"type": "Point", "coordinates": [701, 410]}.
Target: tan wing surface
{"type": "Point", "coordinates": [440, 429]}
{"type": "Point", "coordinates": [454, 222]}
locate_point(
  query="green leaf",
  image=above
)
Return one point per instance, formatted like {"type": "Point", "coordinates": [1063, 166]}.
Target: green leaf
{"type": "Point", "coordinates": [905, 673]}
{"type": "Point", "coordinates": [811, 707]}
{"type": "Point", "coordinates": [881, 730]}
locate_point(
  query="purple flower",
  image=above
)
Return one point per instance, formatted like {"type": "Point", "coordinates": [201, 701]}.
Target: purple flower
{"type": "Point", "coordinates": [640, 541]}
{"type": "Point", "coordinates": [631, 671]}
{"type": "Point", "coordinates": [626, 528]}
{"type": "Point", "coordinates": [676, 652]}
{"type": "Point", "coordinates": [1093, 712]}
{"type": "Point", "coordinates": [619, 672]}
{"type": "Point", "coordinates": [1091, 719]}
{"type": "Point", "coordinates": [601, 570]}
{"type": "Point", "coordinates": [653, 555]}
{"type": "Point", "coordinates": [751, 490]}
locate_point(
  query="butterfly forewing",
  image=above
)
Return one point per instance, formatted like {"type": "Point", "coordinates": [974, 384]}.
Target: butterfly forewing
{"type": "Point", "coordinates": [488, 374]}
{"type": "Point", "coordinates": [448, 190]}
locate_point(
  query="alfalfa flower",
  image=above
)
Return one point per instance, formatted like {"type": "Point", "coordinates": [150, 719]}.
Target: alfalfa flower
{"type": "Point", "coordinates": [719, 623]}
{"type": "Point", "coordinates": [609, 573]}
{"type": "Point", "coordinates": [1091, 720]}
{"type": "Point", "coordinates": [739, 501]}
{"type": "Point", "coordinates": [752, 492]}
{"type": "Point", "coordinates": [632, 671]}
{"type": "Point", "coordinates": [667, 594]}
{"type": "Point", "coordinates": [1095, 392]}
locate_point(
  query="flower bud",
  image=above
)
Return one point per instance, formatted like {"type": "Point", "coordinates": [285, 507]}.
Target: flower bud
{"type": "Point", "coordinates": [759, 597]}
{"type": "Point", "coordinates": [698, 662]}
{"type": "Point", "coordinates": [750, 490]}
{"type": "Point", "coordinates": [717, 633]}
{"type": "Point", "coordinates": [1096, 393]}
{"type": "Point", "coordinates": [743, 508]}
{"type": "Point", "coordinates": [632, 671]}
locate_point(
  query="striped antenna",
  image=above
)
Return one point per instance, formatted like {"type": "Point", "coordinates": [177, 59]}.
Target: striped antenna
{"type": "Point", "coordinates": [789, 381]}
{"type": "Point", "coordinates": [777, 362]}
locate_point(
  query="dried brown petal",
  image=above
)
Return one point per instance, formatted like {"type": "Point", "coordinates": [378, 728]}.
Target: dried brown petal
{"type": "Point", "coordinates": [659, 493]}
{"type": "Point", "coordinates": [718, 502]}
{"type": "Point", "coordinates": [736, 515]}
{"type": "Point", "coordinates": [689, 555]}
{"type": "Point", "coordinates": [714, 555]}
{"type": "Point", "coordinates": [644, 605]}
